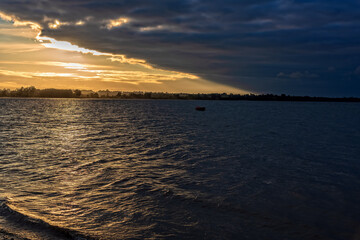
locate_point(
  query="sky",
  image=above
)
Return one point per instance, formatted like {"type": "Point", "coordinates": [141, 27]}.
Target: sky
{"type": "Point", "coordinates": [240, 46]}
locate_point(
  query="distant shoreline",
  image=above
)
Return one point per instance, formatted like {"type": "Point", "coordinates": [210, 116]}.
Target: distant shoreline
{"type": "Point", "coordinates": [313, 99]}
{"type": "Point", "coordinates": [32, 92]}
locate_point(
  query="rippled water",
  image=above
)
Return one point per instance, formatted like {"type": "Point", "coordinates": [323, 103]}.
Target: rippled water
{"type": "Point", "coordinates": [123, 169]}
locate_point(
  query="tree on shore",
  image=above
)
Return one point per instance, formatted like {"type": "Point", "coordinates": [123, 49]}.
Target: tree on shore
{"type": "Point", "coordinates": [33, 92]}
{"type": "Point", "coordinates": [77, 93]}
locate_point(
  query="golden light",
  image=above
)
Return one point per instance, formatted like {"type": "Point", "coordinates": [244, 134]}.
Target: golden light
{"type": "Point", "coordinates": [79, 23]}
{"type": "Point", "coordinates": [76, 66]}
{"type": "Point", "coordinates": [54, 25]}
{"type": "Point", "coordinates": [18, 22]}
{"type": "Point", "coordinates": [148, 29]}
{"type": "Point", "coordinates": [50, 63]}
{"type": "Point", "coordinates": [116, 22]}
{"type": "Point", "coordinates": [63, 45]}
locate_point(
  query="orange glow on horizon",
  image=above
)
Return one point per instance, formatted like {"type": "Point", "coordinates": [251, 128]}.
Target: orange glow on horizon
{"type": "Point", "coordinates": [30, 58]}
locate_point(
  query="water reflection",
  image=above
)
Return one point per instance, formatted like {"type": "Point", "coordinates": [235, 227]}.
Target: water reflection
{"type": "Point", "coordinates": [160, 170]}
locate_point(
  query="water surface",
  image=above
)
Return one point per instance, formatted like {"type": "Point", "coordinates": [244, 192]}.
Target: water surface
{"type": "Point", "coordinates": [145, 169]}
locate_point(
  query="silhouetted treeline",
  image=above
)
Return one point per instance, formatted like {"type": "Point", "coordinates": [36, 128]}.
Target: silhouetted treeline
{"type": "Point", "coordinates": [224, 96]}
{"type": "Point", "coordinates": [45, 93]}
{"type": "Point", "coordinates": [67, 93]}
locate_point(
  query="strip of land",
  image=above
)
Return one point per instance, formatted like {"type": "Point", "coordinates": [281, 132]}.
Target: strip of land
{"type": "Point", "coordinates": [32, 92]}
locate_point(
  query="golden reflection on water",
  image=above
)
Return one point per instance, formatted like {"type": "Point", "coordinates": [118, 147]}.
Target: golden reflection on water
{"type": "Point", "coordinates": [64, 130]}
{"type": "Point", "coordinates": [71, 183]}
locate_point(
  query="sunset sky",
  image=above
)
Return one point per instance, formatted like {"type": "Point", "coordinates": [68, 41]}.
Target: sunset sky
{"type": "Point", "coordinates": [282, 46]}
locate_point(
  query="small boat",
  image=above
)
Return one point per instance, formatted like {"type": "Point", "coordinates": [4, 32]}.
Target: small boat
{"type": "Point", "coordinates": [200, 108]}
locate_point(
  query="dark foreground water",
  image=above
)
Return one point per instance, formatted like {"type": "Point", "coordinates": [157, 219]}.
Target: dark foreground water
{"type": "Point", "coordinates": [107, 169]}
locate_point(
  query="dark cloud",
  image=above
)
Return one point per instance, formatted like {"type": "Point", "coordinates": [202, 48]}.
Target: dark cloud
{"type": "Point", "coordinates": [263, 46]}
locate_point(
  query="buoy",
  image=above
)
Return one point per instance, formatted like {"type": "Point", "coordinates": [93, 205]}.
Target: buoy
{"type": "Point", "coordinates": [200, 108]}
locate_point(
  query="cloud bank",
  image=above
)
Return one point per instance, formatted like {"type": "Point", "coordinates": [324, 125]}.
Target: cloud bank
{"type": "Point", "coordinates": [279, 46]}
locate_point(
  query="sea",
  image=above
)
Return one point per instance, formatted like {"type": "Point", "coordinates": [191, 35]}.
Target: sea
{"type": "Point", "coordinates": [158, 169]}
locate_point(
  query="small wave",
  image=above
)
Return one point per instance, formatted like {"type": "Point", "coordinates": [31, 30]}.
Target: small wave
{"type": "Point", "coordinates": [259, 219]}
{"type": "Point", "coordinates": [7, 235]}
{"type": "Point", "coordinates": [35, 225]}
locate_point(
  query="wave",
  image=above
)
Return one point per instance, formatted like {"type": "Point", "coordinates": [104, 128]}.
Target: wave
{"type": "Point", "coordinates": [20, 221]}
{"type": "Point", "coordinates": [253, 217]}
{"type": "Point", "coordinates": [7, 235]}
